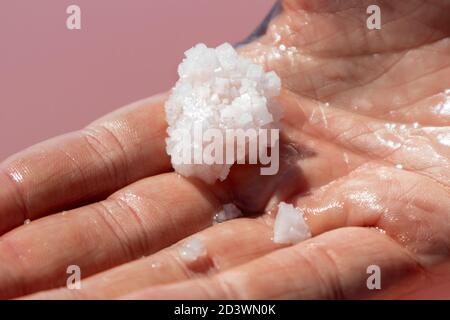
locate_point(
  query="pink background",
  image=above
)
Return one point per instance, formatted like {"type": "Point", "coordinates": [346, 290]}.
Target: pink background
{"type": "Point", "coordinates": [53, 80]}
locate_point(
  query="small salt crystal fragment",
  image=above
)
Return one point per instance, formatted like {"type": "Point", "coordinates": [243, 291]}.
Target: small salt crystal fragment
{"type": "Point", "coordinates": [290, 226]}
{"type": "Point", "coordinates": [192, 249]}
{"type": "Point", "coordinates": [229, 211]}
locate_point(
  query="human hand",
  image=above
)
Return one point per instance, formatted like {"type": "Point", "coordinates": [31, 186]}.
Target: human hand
{"type": "Point", "coordinates": [366, 156]}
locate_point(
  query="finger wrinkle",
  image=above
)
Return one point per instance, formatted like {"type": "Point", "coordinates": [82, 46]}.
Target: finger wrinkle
{"type": "Point", "coordinates": [101, 152]}
{"type": "Point", "coordinates": [227, 288]}
{"type": "Point", "coordinates": [115, 228]}
{"type": "Point", "coordinates": [112, 155]}
{"type": "Point", "coordinates": [128, 206]}
{"type": "Point", "coordinates": [332, 283]}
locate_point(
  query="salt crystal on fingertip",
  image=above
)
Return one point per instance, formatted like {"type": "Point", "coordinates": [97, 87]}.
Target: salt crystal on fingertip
{"type": "Point", "coordinates": [229, 211]}
{"type": "Point", "coordinates": [290, 226]}
{"type": "Point", "coordinates": [192, 249]}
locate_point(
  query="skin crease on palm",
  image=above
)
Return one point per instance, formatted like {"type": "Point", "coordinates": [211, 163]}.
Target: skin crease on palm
{"type": "Point", "coordinates": [365, 154]}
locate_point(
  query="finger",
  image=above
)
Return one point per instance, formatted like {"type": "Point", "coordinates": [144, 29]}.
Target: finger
{"type": "Point", "coordinates": [411, 209]}
{"type": "Point", "coordinates": [344, 203]}
{"type": "Point", "coordinates": [226, 245]}
{"type": "Point", "coordinates": [332, 54]}
{"type": "Point", "coordinates": [332, 265]}
{"type": "Point", "coordinates": [141, 219]}
{"type": "Point", "coordinates": [371, 139]}
{"type": "Point", "coordinates": [84, 166]}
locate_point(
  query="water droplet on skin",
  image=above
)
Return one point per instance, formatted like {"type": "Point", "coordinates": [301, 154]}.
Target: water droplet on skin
{"type": "Point", "coordinates": [276, 37]}
{"type": "Point", "coordinates": [444, 138]}
{"type": "Point", "coordinates": [366, 199]}
{"type": "Point", "coordinates": [27, 221]}
{"type": "Point", "coordinates": [390, 126]}
{"type": "Point", "coordinates": [346, 160]}
{"type": "Point", "coordinates": [443, 108]}
{"type": "Point", "coordinates": [387, 142]}
{"type": "Point", "coordinates": [325, 208]}
{"type": "Point", "coordinates": [17, 176]}
{"type": "Point", "coordinates": [380, 230]}
{"type": "Point", "coordinates": [403, 238]}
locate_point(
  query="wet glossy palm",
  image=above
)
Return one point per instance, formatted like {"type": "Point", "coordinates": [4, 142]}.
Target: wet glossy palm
{"type": "Point", "coordinates": [366, 155]}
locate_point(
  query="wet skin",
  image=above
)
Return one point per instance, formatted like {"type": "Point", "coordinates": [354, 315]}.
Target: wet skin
{"type": "Point", "coordinates": [366, 155]}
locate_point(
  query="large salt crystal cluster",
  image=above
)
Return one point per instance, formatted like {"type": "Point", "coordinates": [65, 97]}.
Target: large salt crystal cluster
{"type": "Point", "coordinates": [222, 90]}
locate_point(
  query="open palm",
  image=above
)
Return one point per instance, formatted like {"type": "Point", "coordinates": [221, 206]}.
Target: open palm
{"type": "Point", "coordinates": [366, 155]}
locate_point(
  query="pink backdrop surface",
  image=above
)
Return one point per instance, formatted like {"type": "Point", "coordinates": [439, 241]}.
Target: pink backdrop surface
{"type": "Point", "coordinates": [54, 80]}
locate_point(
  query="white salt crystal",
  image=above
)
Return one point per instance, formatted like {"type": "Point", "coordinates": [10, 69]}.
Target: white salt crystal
{"type": "Point", "coordinates": [217, 89]}
{"type": "Point", "coordinates": [229, 211]}
{"type": "Point", "coordinates": [192, 249]}
{"type": "Point", "coordinates": [290, 226]}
